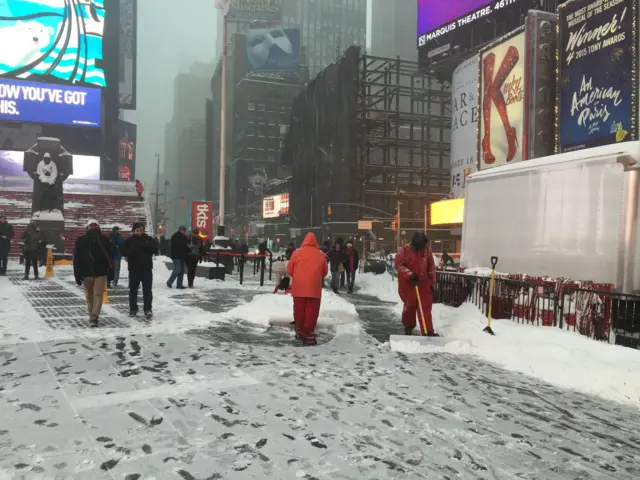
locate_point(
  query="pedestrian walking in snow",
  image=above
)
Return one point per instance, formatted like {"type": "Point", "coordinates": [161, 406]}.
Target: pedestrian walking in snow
{"type": "Point", "coordinates": [6, 234]}
{"type": "Point", "coordinates": [307, 268]}
{"type": "Point", "coordinates": [179, 253]}
{"type": "Point", "coordinates": [416, 271]}
{"type": "Point", "coordinates": [196, 254]}
{"type": "Point", "coordinates": [352, 260]}
{"type": "Point", "coordinates": [91, 264]}
{"type": "Point", "coordinates": [139, 250]}
{"type": "Point", "coordinates": [290, 249]}
{"type": "Point", "coordinates": [115, 242]}
{"type": "Point", "coordinates": [336, 259]}
{"type": "Point", "coordinates": [33, 240]}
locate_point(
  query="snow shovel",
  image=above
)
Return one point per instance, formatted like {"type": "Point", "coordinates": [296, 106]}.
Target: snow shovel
{"type": "Point", "coordinates": [407, 344]}
{"type": "Point", "coordinates": [494, 262]}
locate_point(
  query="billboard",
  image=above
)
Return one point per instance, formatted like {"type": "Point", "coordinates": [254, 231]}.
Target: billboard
{"type": "Point", "coordinates": [202, 217]}
{"type": "Point", "coordinates": [22, 101]}
{"type": "Point", "coordinates": [464, 124]}
{"type": "Point", "coordinates": [273, 49]}
{"type": "Point", "coordinates": [85, 167]}
{"type": "Point", "coordinates": [439, 19]}
{"type": "Point", "coordinates": [127, 139]}
{"type": "Point", "coordinates": [502, 92]}
{"type": "Point", "coordinates": [597, 74]}
{"type": "Point", "coordinates": [255, 10]}
{"type": "Point", "coordinates": [275, 206]}
{"type": "Point", "coordinates": [53, 41]}
{"type": "Point", "coordinates": [128, 54]}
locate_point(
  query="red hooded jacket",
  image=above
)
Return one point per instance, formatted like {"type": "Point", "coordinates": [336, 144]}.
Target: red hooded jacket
{"type": "Point", "coordinates": [421, 263]}
{"type": "Point", "coordinates": [307, 268]}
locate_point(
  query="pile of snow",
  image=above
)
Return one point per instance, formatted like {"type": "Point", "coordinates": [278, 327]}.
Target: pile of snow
{"type": "Point", "coordinates": [383, 287]}
{"type": "Point", "coordinates": [262, 308]}
{"type": "Point", "coordinates": [76, 205]}
{"type": "Point", "coordinates": [562, 358]}
{"type": "Point", "coordinates": [17, 203]}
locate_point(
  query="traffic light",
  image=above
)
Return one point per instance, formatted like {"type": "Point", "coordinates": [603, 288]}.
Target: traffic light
{"type": "Point", "coordinates": [394, 225]}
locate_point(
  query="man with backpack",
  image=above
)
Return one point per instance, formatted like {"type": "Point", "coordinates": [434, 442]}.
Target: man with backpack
{"type": "Point", "coordinates": [91, 264]}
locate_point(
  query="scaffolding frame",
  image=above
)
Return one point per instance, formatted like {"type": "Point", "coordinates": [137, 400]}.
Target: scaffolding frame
{"type": "Point", "coordinates": [404, 117]}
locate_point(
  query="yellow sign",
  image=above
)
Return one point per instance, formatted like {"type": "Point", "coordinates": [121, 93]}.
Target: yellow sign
{"type": "Point", "coordinates": [447, 212]}
{"type": "Point", "coordinates": [49, 271]}
{"type": "Point", "coordinates": [365, 224]}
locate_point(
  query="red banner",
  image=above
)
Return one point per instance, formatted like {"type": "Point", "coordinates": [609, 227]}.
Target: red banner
{"type": "Point", "coordinates": [202, 217]}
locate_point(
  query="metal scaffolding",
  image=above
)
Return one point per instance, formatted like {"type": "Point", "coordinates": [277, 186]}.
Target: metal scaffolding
{"type": "Point", "coordinates": [404, 154]}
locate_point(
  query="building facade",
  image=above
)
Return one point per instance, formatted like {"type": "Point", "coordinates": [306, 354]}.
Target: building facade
{"type": "Point", "coordinates": [393, 29]}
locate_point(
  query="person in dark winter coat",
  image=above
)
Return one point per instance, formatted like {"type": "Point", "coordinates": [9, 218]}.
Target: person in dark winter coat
{"type": "Point", "coordinates": [115, 243]}
{"type": "Point", "coordinates": [336, 260]}
{"type": "Point", "coordinates": [6, 234]}
{"type": "Point", "coordinates": [290, 249]}
{"type": "Point", "coordinates": [33, 240]}
{"type": "Point", "coordinates": [179, 253]}
{"type": "Point", "coordinates": [139, 250]}
{"type": "Point", "coordinates": [352, 260]}
{"type": "Point", "coordinates": [416, 268]}
{"type": "Point", "coordinates": [263, 251]}
{"type": "Point", "coordinates": [447, 260]}
{"type": "Point", "coordinates": [91, 264]}
{"type": "Point", "coordinates": [196, 254]}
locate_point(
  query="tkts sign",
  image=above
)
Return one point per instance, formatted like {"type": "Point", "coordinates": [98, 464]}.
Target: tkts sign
{"type": "Point", "coordinates": [202, 217]}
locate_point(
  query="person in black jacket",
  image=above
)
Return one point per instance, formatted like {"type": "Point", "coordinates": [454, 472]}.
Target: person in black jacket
{"type": "Point", "coordinates": [290, 249]}
{"type": "Point", "coordinates": [91, 264]}
{"type": "Point", "coordinates": [179, 253]}
{"type": "Point", "coordinates": [336, 259]}
{"type": "Point", "coordinates": [6, 234]}
{"type": "Point", "coordinates": [263, 250]}
{"type": "Point", "coordinates": [351, 263]}
{"type": "Point", "coordinates": [33, 241]}
{"type": "Point", "coordinates": [139, 250]}
{"type": "Point", "coordinates": [196, 254]}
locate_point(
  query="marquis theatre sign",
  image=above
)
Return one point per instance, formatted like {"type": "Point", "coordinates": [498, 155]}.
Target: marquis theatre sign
{"type": "Point", "coordinates": [597, 73]}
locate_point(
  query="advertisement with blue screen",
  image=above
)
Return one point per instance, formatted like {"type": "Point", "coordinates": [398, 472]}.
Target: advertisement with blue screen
{"type": "Point", "coordinates": [439, 18]}
{"type": "Point", "coordinates": [52, 41]}
{"type": "Point", "coordinates": [48, 103]}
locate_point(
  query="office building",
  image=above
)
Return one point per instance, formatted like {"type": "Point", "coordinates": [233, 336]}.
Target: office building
{"type": "Point", "coordinates": [393, 29]}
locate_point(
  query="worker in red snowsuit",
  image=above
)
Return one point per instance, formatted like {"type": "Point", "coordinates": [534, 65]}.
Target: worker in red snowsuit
{"type": "Point", "coordinates": [307, 269]}
{"type": "Point", "coordinates": [416, 268]}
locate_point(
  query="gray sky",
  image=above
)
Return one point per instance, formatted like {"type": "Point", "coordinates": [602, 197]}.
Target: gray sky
{"type": "Point", "coordinates": [171, 36]}
{"type": "Point", "coordinates": [170, 39]}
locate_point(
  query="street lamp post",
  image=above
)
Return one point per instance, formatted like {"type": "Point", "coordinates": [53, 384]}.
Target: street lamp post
{"type": "Point", "coordinates": [223, 5]}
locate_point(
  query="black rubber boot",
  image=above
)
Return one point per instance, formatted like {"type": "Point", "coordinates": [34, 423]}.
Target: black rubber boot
{"type": "Point", "coordinates": [408, 330]}
{"type": "Point", "coordinates": [431, 334]}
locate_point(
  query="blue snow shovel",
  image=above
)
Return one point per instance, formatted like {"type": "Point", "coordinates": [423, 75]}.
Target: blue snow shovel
{"type": "Point", "coordinates": [494, 262]}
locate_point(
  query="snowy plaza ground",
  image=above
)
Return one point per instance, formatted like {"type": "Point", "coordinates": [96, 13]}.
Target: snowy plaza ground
{"type": "Point", "coordinates": [206, 390]}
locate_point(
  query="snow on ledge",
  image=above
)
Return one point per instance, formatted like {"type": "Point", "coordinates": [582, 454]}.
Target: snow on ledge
{"type": "Point", "coordinates": [564, 359]}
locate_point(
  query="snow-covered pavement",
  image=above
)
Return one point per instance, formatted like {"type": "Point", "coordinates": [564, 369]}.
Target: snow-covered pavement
{"type": "Point", "coordinates": [207, 391]}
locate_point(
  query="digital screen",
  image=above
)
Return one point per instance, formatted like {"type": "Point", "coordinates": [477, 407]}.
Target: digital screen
{"type": "Point", "coordinates": [127, 133]}
{"type": "Point", "coordinates": [85, 167]}
{"type": "Point", "coordinates": [276, 206]}
{"type": "Point", "coordinates": [52, 41]}
{"type": "Point", "coordinates": [438, 18]}
{"type": "Point", "coordinates": [47, 103]}
{"type": "Point", "coordinates": [273, 49]}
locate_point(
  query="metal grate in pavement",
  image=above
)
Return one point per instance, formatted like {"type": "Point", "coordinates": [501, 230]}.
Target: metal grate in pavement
{"type": "Point", "coordinates": [64, 312]}
{"type": "Point", "coordinates": [106, 322]}
{"type": "Point", "coordinates": [56, 302]}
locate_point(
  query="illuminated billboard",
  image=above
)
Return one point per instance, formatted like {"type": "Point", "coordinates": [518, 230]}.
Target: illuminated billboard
{"type": "Point", "coordinates": [85, 167]}
{"type": "Point", "coordinates": [447, 212]}
{"type": "Point", "coordinates": [53, 41]}
{"type": "Point", "coordinates": [128, 55]}
{"type": "Point", "coordinates": [275, 206]}
{"type": "Point", "coordinates": [127, 134]}
{"type": "Point", "coordinates": [22, 101]}
{"type": "Point", "coordinates": [502, 101]}
{"type": "Point", "coordinates": [597, 74]}
{"type": "Point", "coordinates": [273, 49]}
{"type": "Point", "coordinates": [439, 20]}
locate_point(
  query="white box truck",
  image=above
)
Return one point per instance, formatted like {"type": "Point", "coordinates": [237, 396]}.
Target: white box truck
{"type": "Point", "coordinates": [571, 215]}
